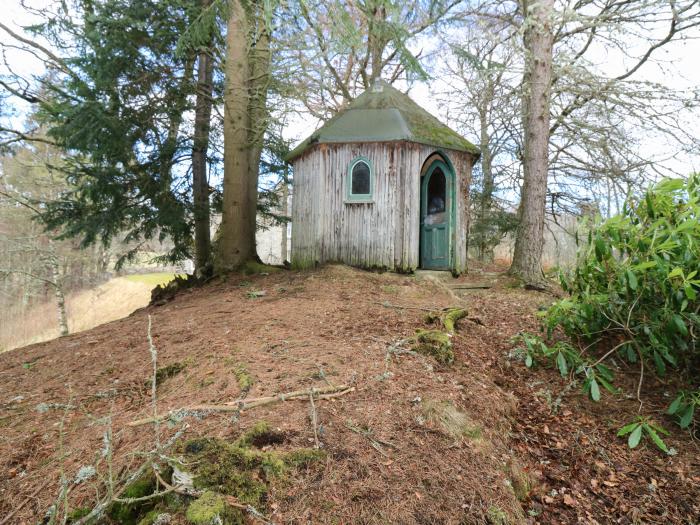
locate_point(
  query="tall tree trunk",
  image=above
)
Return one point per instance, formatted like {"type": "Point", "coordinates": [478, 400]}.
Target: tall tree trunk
{"type": "Point", "coordinates": [485, 248]}
{"type": "Point", "coordinates": [259, 62]}
{"type": "Point", "coordinates": [200, 183]}
{"type": "Point", "coordinates": [57, 282]}
{"type": "Point", "coordinates": [537, 82]}
{"type": "Point", "coordinates": [285, 210]}
{"type": "Point", "coordinates": [236, 243]}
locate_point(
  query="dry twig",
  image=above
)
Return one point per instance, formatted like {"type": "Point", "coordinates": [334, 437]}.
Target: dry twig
{"type": "Point", "coordinates": [314, 421]}
{"type": "Point", "coordinates": [376, 443]}
{"type": "Point", "coordinates": [245, 404]}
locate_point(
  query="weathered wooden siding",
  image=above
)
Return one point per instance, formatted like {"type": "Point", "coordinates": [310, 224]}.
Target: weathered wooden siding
{"type": "Point", "coordinates": [382, 234]}
{"type": "Point", "coordinates": [462, 163]}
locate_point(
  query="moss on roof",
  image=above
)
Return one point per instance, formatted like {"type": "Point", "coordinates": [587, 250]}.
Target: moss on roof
{"type": "Point", "coordinates": [382, 114]}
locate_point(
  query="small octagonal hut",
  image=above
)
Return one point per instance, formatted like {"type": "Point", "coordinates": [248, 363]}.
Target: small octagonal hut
{"type": "Point", "coordinates": [384, 185]}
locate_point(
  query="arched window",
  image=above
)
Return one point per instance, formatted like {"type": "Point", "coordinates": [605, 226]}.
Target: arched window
{"type": "Point", "coordinates": [360, 180]}
{"type": "Point", "coordinates": [436, 192]}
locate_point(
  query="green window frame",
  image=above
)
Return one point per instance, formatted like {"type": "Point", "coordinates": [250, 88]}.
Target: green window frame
{"type": "Point", "coordinates": [359, 197]}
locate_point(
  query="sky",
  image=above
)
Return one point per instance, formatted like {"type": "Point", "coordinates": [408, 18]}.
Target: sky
{"type": "Point", "coordinates": [677, 66]}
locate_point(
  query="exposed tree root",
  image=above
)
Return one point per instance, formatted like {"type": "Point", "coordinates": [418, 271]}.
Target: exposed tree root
{"type": "Point", "coordinates": [448, 318]}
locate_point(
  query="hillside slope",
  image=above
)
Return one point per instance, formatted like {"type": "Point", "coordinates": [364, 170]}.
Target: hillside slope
{"type": "Point", "coordinates": [86, 309]}
{"type": "Point", "coordinates": [415, 442]}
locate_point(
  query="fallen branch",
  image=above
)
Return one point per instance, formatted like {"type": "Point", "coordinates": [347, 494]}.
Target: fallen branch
{"type": "Point", "coordinates": [314, 421]}
{"type": "Point", "coordinates": [102, 506]}
{"type": "Point", "coordinates": [324, 392]}
{"type": "Point", "coordinates": [241, 405]}
{"type": "Point", "coordinates": [471, 287]}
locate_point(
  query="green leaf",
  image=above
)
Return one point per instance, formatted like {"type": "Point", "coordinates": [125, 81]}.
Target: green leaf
{"type": "Point", "coordinates": [600, 248]}
{"type": "Point", "coordinates": [666, 355]}
{"type": "Point", "coordinates": [669, 185]}
{"type": "Point", "coordinates": [673, 407]}
{"type": "Point", "coordinates": [660, 365]}
{"type": "Point", "coordinates": [562, 282]}
{"type": "Point", "coordinates": [561, 364]}
{"type": "Point", "coordinates": [687, 417]}
{"type": "Point", "coordinates": [607, 385]}
{"type": "Point", "coordinates": [659, 429]}
{"type": "Point", "coordinates": [655, 438]}
{"type": "Point", "coordinates": [680, 325]}
{"type": "Point", "coordinates": [595, 390]}
{"type": "Point", "coordinates": [631, 280]}
{"type": "Point", "coordinates": [650, 204]}
{"type": "Point", "coordinates": [635, 437]}
{"type": "Point", "coordinates": [627, 428]}
{"type": "Point", "coordinates": [604, 372]}
{"type": "Point", "coordinates": [644, 265]}
{"type": "Point", "coordinates": [690, 292]}
{"type": "Point", "coordinates": [676, 272]}
{"type": "Point", "coordinates": [528, 361]}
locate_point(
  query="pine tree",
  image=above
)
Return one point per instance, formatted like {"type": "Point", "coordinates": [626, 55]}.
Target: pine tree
{"type": "Point", "coordinates": [118, 105]}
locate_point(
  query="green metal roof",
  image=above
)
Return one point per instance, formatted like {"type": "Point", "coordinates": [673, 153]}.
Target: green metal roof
{"type": "Point", "coordinates": [382, 114]}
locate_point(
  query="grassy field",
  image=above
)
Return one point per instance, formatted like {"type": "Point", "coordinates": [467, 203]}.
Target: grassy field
{"type": "Point", "coordinates": [86, 309]}
{"type": "Point", "coordinates": [151, 279]}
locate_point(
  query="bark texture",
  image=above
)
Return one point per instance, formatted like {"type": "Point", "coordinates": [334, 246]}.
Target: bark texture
{"type": "Point", "coordinates": [245, 122]}
{"type": "Point", "coordinates": [537, 82]}
{"type": "Point", "coordinates": [486, 249]}
{"type": "Point", "coordinates": [200, 183]}
{"type": "Point", "coordinates": [259, 63]}
{"type": "Point", "coordinates": [236, 243]}
{"type": "Point", "coordinates": [57, 282]}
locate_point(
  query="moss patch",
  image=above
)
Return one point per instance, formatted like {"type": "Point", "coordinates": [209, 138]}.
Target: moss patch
{"type": "Point", "coordinates": [155, 517]}
{"type": "Point", "coordinates": [434, 343]}
{"type": "Point", "coordinates": [303, 263]}
{"type": "Point", "coordinates": [240, 468]}
{"type": "Point", "coordinates": [78, 513]}
{"type": "Point", "coordinates": [254, 267]}
{"type": "Point", "coordinates": [207, 509]}
{"type": "Point", "coordinates": [447, 318]}
{"type": "Point", "coordinates": [165, 292]}
{"type": "Point", "coordinates": [497, 516]}
{"type": "Point", "coordinates": [168, 371]}
{"type": "Point", "coordinates": [438, 343]}
{"type": "Point", "coordinates": [303, 457]}
{"type": "Point", "coordinates": [131, 513]}
{"type": "Point", "coordinates": [245, 380]}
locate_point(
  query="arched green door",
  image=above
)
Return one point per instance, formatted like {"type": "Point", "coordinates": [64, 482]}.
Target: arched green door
{"type": "Point", "coordinates": [436, 217]}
